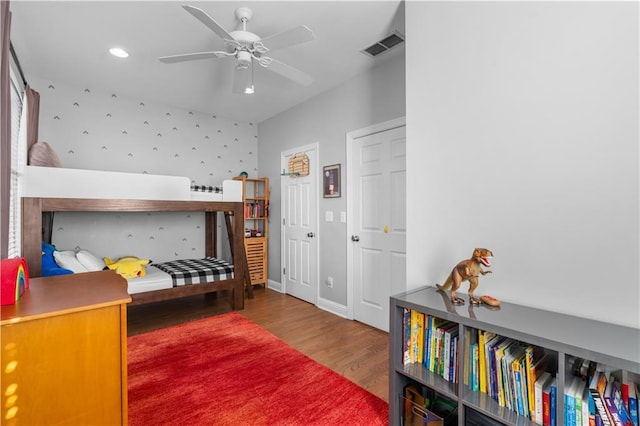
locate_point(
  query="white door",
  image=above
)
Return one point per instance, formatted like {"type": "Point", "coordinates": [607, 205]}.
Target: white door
{"type": "Point", "coordinates": [299, 228]}
{"type": "Point", "coordinates": [378, 231]}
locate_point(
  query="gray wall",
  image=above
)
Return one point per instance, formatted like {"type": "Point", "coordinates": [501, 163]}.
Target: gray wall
{"type": "Point", "coordinates": [522, 128]}
{"type": "Point", "coordinates": [373, 97]}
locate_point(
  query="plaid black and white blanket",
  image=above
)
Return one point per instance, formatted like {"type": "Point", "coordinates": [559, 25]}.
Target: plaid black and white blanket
{"type": "Point", "coordinates": [196, 271]}
{"type": "Point", "coordinates": [206, 188]}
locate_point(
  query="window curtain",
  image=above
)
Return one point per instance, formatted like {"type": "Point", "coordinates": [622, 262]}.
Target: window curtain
{"type": "Point", "coordinates": [5, 128]}
{"type": "Point", "coordinates": [33, 116]}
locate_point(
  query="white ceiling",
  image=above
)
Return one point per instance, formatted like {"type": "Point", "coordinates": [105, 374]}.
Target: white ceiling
{"type": "Point", "coordinates": [68, 42]}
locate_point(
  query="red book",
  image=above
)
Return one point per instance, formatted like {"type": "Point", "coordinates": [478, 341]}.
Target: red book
{"type": "Point", "coordinates": [546, 403]}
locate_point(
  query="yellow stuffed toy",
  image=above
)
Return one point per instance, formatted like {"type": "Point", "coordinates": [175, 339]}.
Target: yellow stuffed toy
{"type": "Point", "coordinates": [128, 267]}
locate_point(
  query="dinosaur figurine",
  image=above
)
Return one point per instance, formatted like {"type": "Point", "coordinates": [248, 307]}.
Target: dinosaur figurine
{"type": "Point", "coordinates": [467, 270]}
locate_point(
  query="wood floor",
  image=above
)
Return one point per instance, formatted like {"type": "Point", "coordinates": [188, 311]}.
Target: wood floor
{"type": "Point", "coordinates": [350, 348]}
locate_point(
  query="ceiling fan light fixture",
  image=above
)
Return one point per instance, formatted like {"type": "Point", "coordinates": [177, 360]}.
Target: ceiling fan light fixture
{"type": "Point", "coordinates": [119, 52]}
{"type": "Point", "coordinates": [250, 89]}
{"type": "Point", "coordinates": [244, 59]}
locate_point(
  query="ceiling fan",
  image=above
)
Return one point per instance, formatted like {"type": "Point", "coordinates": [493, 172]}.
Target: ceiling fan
{"type": "Point", "coordinates": [247, 48]}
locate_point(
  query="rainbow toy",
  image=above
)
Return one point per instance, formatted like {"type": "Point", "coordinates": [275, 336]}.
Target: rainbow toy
{"type": "Point", "coordinates": [14, 280]}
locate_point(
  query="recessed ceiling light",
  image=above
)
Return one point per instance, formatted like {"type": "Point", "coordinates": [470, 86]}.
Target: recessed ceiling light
{"type": "Point", "coordinates": [120, 53]}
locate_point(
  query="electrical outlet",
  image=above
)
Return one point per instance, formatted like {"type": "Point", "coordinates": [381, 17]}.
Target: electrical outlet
{"type": "Point", "coordinates": [329, 282]}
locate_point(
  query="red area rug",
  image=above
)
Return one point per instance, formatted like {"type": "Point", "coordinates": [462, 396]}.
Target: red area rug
{"type": "Point", "coordinates": [226, 370]}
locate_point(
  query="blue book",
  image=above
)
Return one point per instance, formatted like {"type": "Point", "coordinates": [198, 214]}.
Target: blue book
{"type": "Point", "coordinates": [633, 403]}
{"type": "Point", "coordinates": [609, 403]}
{"type": "Point", "coordinates": [552, 403]}
{"type": "Point", "coordinates": [625, 417]}
{"type": "Point", "coordinates": [427, 340]}
{"type": "Point", "coordinates": [518, 392]}
{"type": "Point", "coordinates": [569, 402]}
{"type": "Point", "coordinates": [454, 360]}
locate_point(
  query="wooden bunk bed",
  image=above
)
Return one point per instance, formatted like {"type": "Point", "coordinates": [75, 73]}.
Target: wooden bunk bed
{"type": "Point", "coordinates": [37, 221]}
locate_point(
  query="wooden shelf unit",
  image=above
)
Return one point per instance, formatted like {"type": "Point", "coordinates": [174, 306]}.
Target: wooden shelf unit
{"type": "Point", "coordinates": [255, 197]}
{"type": "Point", "coordinates": [560, 335]}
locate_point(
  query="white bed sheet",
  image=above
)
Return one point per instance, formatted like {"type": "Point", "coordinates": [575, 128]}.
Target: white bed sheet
{"type": "Point", "coordinates": [57, 182]}
{"type": "Point", "coordinates": [155, 279]}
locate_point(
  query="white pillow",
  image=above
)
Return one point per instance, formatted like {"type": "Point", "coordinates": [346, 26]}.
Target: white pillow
{"type": "Point", "coordinates": [90, 261]}
{"type": "Point", "coordinates": [67, 259]}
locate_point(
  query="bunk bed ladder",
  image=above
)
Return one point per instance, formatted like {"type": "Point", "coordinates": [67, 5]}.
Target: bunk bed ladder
{"type": "Point", "coordinates": [247, 275]}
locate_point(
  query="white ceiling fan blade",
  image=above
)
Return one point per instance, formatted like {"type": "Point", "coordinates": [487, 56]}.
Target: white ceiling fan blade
{"type": "Point", "coordinates": [242, 80]}
{"type": "Point", "coordinates": [297, 35]}
{"type": "Point", "coordinates": [289, 72]}
{"type": "Point", "coordinates": [192, 57]}
{"type": "Point", "coordinates": [203, 17]}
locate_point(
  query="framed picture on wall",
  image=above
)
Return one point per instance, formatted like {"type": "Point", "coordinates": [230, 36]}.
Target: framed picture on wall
{"type": "Point", "coordinates": [331, 182]}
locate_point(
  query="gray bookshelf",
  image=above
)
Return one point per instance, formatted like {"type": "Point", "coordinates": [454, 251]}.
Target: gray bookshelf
{"type": "Point", "coordinates": [561, 335]}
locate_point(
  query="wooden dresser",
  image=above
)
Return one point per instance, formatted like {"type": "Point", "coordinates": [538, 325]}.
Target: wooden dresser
{"type": "Point", "coordinates": [64, 352]}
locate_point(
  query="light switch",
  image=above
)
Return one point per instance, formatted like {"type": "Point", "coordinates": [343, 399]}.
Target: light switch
{"type": "Point", "coordinates": [328, 216]}
{"type": "Point", "coordinates": [343, 217]}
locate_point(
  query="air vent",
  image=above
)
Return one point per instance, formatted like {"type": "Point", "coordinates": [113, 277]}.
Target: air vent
{"type": "Point", "coordinates": [394, 39]}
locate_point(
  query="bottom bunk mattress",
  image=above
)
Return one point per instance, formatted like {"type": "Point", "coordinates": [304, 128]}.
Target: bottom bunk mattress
{"type": "Point", "coordinates": [176, 273]}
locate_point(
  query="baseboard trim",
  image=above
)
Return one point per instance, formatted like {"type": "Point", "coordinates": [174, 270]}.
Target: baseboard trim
{"type": "Point", "coordinates": [275, 285]}
{"type": "Point", "coordinates": [324, 304]}
{"type": "Point", "coordinates": [332, 307]}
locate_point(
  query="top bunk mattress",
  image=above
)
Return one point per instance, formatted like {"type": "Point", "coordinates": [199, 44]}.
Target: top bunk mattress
{"type": "Point", "coordinates": [56, 182]}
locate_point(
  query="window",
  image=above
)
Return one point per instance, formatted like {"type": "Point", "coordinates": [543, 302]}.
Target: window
{"type": "Point", "coordinates": [18, 161]}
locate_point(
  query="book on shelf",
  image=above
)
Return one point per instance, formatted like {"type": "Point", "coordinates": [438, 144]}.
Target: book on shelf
{"type": "Point", "coordinates": [466, 362]}
{"type": "Point", "coordinates": [613, 402]}
{"type": "Point", "coordinates": [513, 353]}
{"type": "Point", "coordinates": [588, 418]}
{"type": "Point", "coordinates": [524, 386]}
{"type": "Point", "coordinates": [539, 363]}
{"type": "Point", "coordinates": [553, 405]}
{"type": "Point", "coordinates": [491, 365]}
{"type": "Point", "coordinates": [578, 391]}
{"type": "Point", "coordinates": [622, 379]}
{"type": "Point", "coordinates": [541, 383]}
{"type": "Point", "coordinates": [440, 352]}
{"type": "Point", "coordinates": [633, 403]}
{"type": "Point", "coordinates": [482, 362]}
{"type": "Point", "coordinates": [608, 396]}
{"type": "Point", "coordinates": [450, 345]}
{"type": "Point", "coordinates": [417, 335]}
{"type": "Point", "coordinates": [406, 336]}
{"type": "Point", "coordinates": [500, 379]}
{"type": "Point", "coordinates": [621, 400]}
{"type": "Point", "coordinates": [455, 369]}
{"type": "Point", "coordinates": [573, 401]}
{"type": "Point", "coordinates": [428, 330]}
{"type": "Point", "coordinates": [529, 357]}
{"type": "Point", "coordinates": [600, 408]}
{"type": "Point", "coordinates": [434, 342]}
{"type": "Point", "coordinates": [520, 384]}
{"type": "Point", "coordinates": [546, 401]}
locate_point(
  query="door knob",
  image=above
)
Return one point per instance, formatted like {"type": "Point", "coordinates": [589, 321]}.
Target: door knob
{"type": "Point", "coordinates": [310, 235]}
{"type": "Point", "coordinates": [355, 238]}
